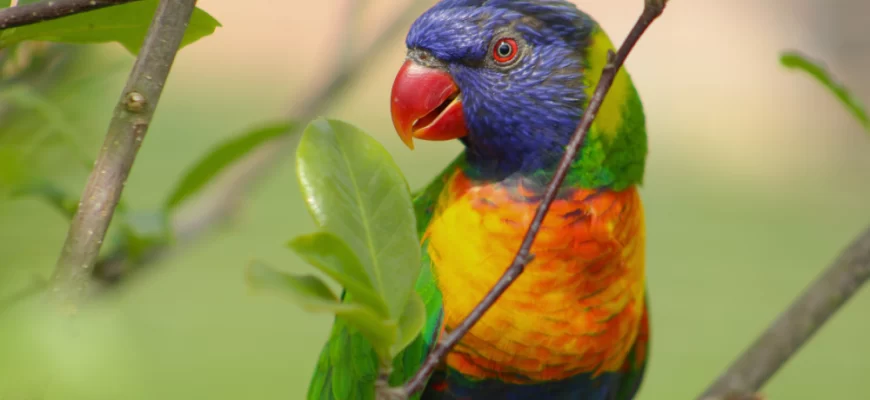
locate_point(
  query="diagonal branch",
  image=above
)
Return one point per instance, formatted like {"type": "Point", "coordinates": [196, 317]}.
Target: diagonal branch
{"type": "Point", "coordinates": [126, 131]}
{"type": "Point", "coordinates": [349, 30]}
{"type": "Point", "coordinates": [46, 10]}
{"type": "Point", "coordinates": [797, 324]}
{"type": "Point", "coordinates": [652, 10]}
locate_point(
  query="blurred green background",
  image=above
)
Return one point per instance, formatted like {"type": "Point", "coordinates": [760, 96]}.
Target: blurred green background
{"type": "Point", "coordinates": [756, 180]}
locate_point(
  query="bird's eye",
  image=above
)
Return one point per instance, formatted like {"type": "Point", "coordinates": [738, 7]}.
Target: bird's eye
{"type": "Point", "coordinates": [505, 50]}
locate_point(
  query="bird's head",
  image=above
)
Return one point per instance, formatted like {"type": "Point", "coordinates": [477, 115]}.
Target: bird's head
{"type": "Point", "coordinates": [509, 78]}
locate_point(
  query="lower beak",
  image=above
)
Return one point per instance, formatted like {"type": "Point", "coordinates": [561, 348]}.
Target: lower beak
{"type": "Point", "coordinates": [426, 105]}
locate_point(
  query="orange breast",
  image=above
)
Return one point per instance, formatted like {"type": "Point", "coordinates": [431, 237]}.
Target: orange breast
{"type": "Point", "coordinates": [578, 305]}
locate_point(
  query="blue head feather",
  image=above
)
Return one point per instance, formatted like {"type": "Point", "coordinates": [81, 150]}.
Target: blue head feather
{"type": "Point", "coordinates": [519, 117]}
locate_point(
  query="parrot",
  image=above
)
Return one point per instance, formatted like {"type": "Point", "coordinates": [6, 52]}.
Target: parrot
{"type": "Point", "coordinates": [509, 80]}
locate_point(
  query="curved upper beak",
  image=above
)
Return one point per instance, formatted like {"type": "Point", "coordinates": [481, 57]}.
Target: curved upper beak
{"type": "Point", "coordinates": [426, 105]}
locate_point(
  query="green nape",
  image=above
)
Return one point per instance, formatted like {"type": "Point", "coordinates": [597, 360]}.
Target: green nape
{"type": "Point", "coordinates": [613, 160]}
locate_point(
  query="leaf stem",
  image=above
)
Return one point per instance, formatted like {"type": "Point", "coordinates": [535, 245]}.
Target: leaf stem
{"type": "Point", "coordinates": [126, 131]}
{"type": "Point", "coordinates": [652, 9]}
{"type": "Point", "coordinates": [47, 10]}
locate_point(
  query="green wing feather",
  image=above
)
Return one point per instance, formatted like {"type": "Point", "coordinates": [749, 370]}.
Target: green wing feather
{"type": "Point", "coordinates": [348, 366]}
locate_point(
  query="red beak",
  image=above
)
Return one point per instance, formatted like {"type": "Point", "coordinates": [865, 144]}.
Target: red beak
{"type": "Point", "coordinates": [426, 105]}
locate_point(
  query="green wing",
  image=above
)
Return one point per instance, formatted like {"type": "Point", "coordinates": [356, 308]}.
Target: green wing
{"type": "Point", "coordinates": [348, 367]}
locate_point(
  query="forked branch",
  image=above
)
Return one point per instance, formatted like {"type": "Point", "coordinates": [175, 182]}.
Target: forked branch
{"type": "Point", "coordinates": [133, 113]}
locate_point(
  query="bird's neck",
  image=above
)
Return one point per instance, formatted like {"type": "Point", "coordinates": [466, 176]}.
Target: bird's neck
{"type": "Point", "coordinates": [597, 164]}
{"type": "Point", "coordinates": [613, 154]}
{"type": "Point", "coordinates": [498, 160]}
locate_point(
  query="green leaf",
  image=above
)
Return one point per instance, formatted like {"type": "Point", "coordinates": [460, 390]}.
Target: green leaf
{"type": "Point", "coordinates": [52, 194]}
{"type": "Point", "coordinates": [56, 121]}
{"type": "Point", "coordinates": [125, 24]}
{"type": "Point", "coordinates": [355, 191]}
{"type": "Point", "coordinates": [13, 172]}
{"type": "Point", "coordinates": [311, 292]}
{"type": "Point", "coordinates": [816, 70]}
{"type": "Point", "coordinates": [410, 323]}
{"type": "Point", "coordinates": [314, 295]}
{"type": "Point", "coordinates": [222, 156]}
{"type": "Point", "coordinates": [144, 230]}
{"type": "Point", "coordinates": [334, 258]}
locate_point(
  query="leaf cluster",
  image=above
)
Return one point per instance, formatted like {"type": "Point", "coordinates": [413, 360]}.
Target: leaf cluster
{"type": "Point", "coordinates": [367, 241]}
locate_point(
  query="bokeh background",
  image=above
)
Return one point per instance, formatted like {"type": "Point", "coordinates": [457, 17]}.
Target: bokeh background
{"type": "Point", "coordinates": [756, 179]}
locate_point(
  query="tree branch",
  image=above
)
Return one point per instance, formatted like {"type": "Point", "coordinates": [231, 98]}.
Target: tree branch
{"type": "Point", "coordinates": [124, 137]}
{"type": "Point", "coordinates": [228, 193]}
{"type": "Point", "coordinates": [348, 31]}
{"type": "Point", "coordinates": [46, 10]}
{"type": "Point", "coordinates": [797, 324]}
{"type": "Point", "coordinates": [652, 9]}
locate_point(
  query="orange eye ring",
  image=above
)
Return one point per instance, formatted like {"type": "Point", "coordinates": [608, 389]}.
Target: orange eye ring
{"type": "Point", "coordinates": [505, 50]}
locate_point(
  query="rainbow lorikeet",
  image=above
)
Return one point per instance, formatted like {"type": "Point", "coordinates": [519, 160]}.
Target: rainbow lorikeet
{"type": "Point", "coordinates": [510, 80]}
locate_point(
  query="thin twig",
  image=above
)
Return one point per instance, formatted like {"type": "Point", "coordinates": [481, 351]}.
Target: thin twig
{"type": "Point", "coordinates": [225, 197]}
{"type": "Point", "coordinates": [798, 323]}
{"type": "Point", "coordinates": [124, 137]}
{"type": "Point", "coordinates": [350, 70]}
{"type": "Point", "coordinates": [348, 31]}
{"type": "Point", "coordinates": [46, 10]}
{"type": "Point", "coordinates": [652, 9]}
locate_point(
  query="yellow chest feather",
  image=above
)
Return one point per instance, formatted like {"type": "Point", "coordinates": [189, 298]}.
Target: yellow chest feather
{"type": "Point", "coordinates": [578, 305]}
